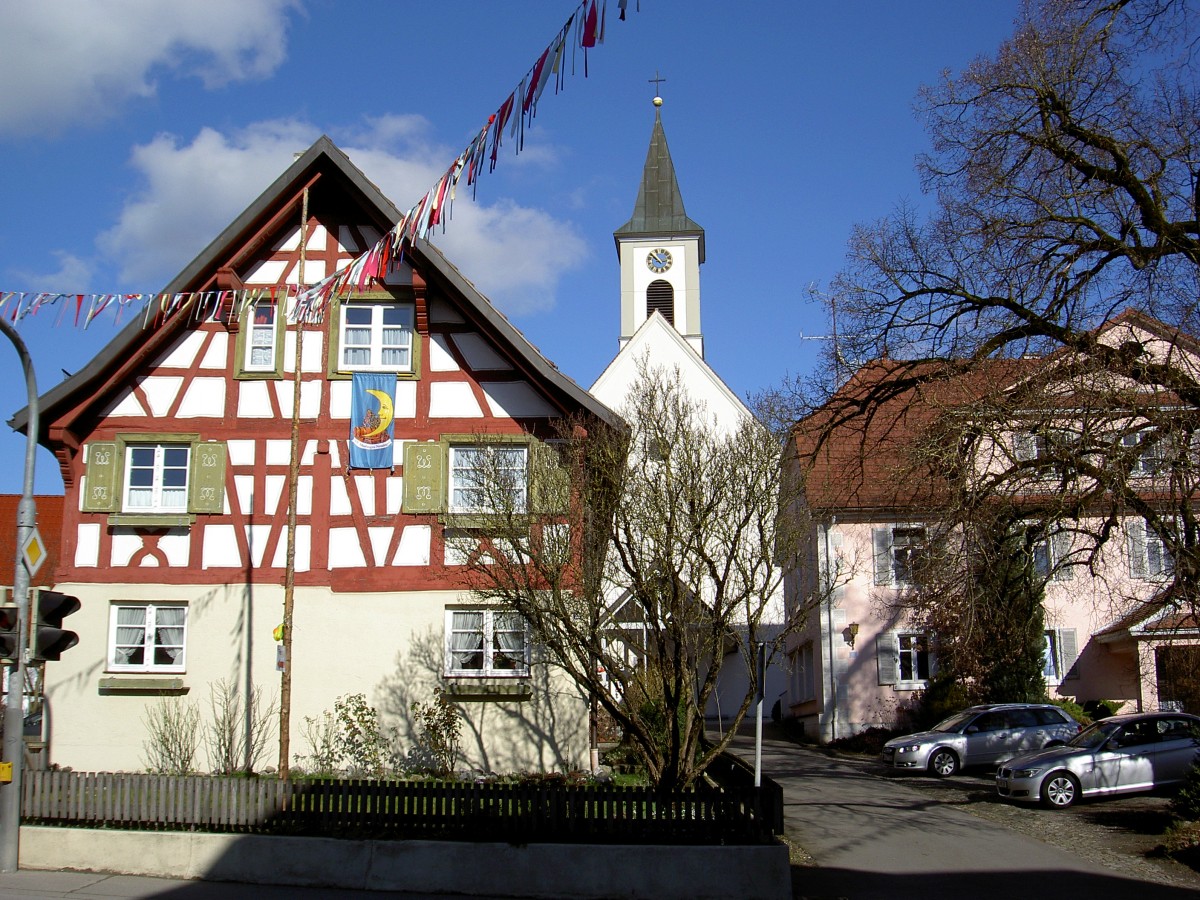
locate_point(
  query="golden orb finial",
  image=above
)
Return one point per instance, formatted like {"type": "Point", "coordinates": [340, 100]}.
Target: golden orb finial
{"type": "Point", "coordinates": [658, 101]}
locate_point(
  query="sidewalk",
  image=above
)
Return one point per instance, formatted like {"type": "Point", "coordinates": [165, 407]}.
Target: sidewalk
{"type": "Point", "coordinates": [872, 837]}
{"type": "Point", "coordinates": [29, 884]}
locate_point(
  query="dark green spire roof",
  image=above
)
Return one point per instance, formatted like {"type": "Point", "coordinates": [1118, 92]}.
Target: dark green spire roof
{"type": "Point", "coordinates": [659, 208]}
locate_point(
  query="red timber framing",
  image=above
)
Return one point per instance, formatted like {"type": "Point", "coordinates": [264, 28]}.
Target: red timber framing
{"type": "Point", "coordinates": [182, 377]}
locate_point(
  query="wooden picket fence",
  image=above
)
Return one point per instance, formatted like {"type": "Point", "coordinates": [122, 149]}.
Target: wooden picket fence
{"type": "Point", "coordinates": [484, 811]}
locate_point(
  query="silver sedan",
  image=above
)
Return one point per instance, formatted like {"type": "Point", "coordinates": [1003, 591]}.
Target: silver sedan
{"type": "Point", "coordinates": [1123, 754]}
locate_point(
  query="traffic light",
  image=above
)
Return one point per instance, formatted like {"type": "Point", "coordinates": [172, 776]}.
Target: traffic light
{"type": "Point", "coordinates": [48, 639]}
{"type": "Point", "coordinates": [10, 631]}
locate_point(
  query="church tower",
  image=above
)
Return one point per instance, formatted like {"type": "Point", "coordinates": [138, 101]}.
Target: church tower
{"type": "Point", "coordinates": [660, 250]}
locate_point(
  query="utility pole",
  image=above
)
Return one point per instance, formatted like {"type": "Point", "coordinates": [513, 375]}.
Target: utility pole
{"type": "Point", "coordinates": [14, 710]}
{"type": "Point", "coordinates": [289, 578]}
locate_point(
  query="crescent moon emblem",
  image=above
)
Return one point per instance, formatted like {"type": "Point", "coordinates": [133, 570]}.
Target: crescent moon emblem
{"type": "Point", "coordinates": [386, 413]}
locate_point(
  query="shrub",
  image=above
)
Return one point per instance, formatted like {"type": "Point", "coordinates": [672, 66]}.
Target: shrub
{"type": "Point", "coordinates": [174, 737]}
{"type": "Point", "coordinates": [438, 737]}
{"type": "Point", "coordinates": [870, 741]}
{"type": "Point", "coordinates": [944, 697]}
{"type": "Point", "coordinates": [360, 743]}
{"type": "Point", "coordinates": [1186, 804]}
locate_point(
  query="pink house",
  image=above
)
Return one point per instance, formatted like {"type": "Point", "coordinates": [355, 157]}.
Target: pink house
{"type": "Point", "coordinates": [1115, 628]}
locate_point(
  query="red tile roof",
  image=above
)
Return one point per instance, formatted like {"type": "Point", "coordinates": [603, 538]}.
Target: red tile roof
{"type": "Point", "coordinates": [49, 524]}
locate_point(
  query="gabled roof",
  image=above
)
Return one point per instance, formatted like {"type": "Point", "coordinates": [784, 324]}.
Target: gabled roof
{"type": "Point", "coordinates": [674, 349]}
{"type": "Point", "coordinates": [856, 450]}
{"type": "Point", "coordinates": [659, 207]}
{"type": "Point", "coordinates": [323, 162]}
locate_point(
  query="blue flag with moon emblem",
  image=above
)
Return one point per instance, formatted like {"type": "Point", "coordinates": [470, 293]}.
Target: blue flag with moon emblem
{"type": "Point", "coordinates": [372, 407]}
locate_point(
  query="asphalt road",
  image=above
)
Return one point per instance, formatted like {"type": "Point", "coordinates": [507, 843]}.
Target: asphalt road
{"type": "Point", "coordinates": [867, 836]}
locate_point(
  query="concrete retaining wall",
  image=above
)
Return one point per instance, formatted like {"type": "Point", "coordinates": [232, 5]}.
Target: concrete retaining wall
{"type": "Point", "coordinates": [429, 867]}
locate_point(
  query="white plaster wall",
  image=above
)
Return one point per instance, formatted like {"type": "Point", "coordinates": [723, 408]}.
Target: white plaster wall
{"type": "Point", "coordinates": [389, 647]}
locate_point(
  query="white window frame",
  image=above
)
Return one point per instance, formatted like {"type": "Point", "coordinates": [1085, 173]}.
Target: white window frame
{"type": "Point", "coordinates": [1151, 458]}
{"type": "Point", "coordinates": [262, 336]}
{"type": "Point", "coordinates": [469, 475]}
{"type": "Point", "coordinates": [1150, 559]}
{"type": "Point", "coordinates": [152, 631]}
{"type": "Point", "coordinates": [494, 661]}
{"type": "Point", "coordinates": [375, 344]}
{"type": "Point", "coordinates": [1053, 547]}
{"type": "Point", "coordinates": [158, 469]}
{"type": "Point", "coordinates": [914, 655]}
{"type": "Point", "coordinates": [900, 573]}
{"type": "Point", "coordinates": [1051, 660]}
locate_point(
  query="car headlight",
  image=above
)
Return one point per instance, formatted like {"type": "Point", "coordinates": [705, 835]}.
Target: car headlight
{"type": "Point", "coordinates": [1025, 773]}
{"type": "Point", "coordinates": [911, 748]}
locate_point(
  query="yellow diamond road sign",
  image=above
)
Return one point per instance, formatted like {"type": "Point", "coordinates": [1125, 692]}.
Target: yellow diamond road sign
{"type": "Point", "coordinates": [34, 552]}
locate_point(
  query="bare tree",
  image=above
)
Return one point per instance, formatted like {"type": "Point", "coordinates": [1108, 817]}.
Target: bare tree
{"type": "Point", "coordinates": [1066, 172]}
{"type": "Point", "coordinates": [644, 560]}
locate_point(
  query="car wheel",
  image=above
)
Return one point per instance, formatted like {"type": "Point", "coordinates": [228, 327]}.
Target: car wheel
{"type": "Point", "coordinates": [943, 763]}
{"type": "Point", "coordinates": [1060, 790]}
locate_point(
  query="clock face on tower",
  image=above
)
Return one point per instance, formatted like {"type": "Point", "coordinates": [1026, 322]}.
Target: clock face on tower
{"type": "Point", "coordinates": [658, 260]}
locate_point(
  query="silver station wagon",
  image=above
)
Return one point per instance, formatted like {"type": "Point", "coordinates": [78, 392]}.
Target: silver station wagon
{"type": "Point", "coordinates": [981, 736]}
{"type": "Point", "coordinates": [1138, 752]}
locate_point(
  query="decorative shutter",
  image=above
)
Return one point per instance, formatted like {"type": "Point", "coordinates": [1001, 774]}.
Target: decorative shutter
{"type": "Point", "coordinates": [424, 478]}
{"type": "Point", "coordinates": [1068, 651]}
{"type": "Point", "coordinates": [881, 539]}
{"type": "Point", "coordinates": [887, 653]}
{"type": "Point", "coordinates": [1061, 550]}
{"type": "Point", "coordinates": [1135, 529]}
{"type": "Point", "coordinates": [549, 482]}
{"type": "Point", "coordinates": [103, 472]}
{"type": "Point", "coordinates": [206, 482]}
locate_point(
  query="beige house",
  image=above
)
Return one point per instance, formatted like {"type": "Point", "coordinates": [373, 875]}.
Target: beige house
{"type": "Point", "coordinates": [175, 447]}
{"type": "Point", "coordinates": [1115, 629]}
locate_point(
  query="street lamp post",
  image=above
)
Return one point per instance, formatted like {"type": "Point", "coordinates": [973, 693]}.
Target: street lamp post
{"type": "Point", "coordinates": [14, 711]}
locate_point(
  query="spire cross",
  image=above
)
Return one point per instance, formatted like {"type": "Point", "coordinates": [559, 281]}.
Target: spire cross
{"type": "Point", "coordinates": [656, 80]}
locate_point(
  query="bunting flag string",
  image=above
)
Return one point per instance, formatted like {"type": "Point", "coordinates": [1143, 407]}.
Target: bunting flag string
{"type": "Point", "coordinates": [583, 31]}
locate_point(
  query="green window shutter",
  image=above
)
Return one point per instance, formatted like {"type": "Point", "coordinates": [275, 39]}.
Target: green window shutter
{"type": "Point", "coordinates": [424, 477]}
{"type": "Point", "coordinates": [881, 539]}
{"type": "Point", "coordinates": [206, 481]}
{"type": "Point", "coordinates": [887, 653]}
{"type": "Point", "coordinates": [102, 491]}
{"type": "Point", "coordinates": [549, 482]}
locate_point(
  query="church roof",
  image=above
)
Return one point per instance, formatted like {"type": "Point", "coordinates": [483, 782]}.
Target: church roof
{"type": "Point", "coordinates": [659, 207]}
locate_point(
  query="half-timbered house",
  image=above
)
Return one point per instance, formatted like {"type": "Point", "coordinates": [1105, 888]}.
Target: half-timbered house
{"type": "Point", "coordinates": [176, 450]}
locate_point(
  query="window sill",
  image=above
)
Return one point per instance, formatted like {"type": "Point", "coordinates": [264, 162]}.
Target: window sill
{"type": "Point", "coordinates": [910, 685]}
{"type": "Point", "coordinates": [255, 375]}
{"type": "Point", "coordinates": [488, 687]}
{"type": "Point", "coordinates": [153, 520]}
{"type": "Point", "coordinates": [146, 685]}
{"type": "Point", "coordinates": [347, 374]}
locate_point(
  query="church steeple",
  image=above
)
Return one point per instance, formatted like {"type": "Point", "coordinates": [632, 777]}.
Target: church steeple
{"type": "Point", "coordinates": [659, 207]}
{"type": "Point", "coordinates": [660, 249]}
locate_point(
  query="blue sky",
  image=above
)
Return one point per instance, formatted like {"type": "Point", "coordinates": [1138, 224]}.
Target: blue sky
{"type": "Point", "coordinates": [133, 131]}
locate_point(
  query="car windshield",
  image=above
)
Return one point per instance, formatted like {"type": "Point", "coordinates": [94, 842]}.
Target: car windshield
{"type": "Point", "coordinates": [1094, 735]}
{"type": "Point", "coordinates": [955, 724]}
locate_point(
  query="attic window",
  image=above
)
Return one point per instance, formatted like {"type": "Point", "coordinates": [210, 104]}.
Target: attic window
{"type": "Point", "coordinates": [660, 298]}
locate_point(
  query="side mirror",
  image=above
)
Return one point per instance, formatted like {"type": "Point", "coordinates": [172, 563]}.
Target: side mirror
{"type": "Point", "coordinates": [971, 729]}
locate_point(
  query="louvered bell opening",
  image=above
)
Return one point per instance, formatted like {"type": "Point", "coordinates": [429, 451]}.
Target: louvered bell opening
{"type": "Point", "coordinates": [660, 298]}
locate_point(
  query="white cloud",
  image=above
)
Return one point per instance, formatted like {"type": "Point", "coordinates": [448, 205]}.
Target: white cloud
{"type": "Point", "coordinates": [72, 62]}
{"type": "Point", "coordinates": [73, 274]}
{"type": "Point", "coordinates": [191, 192]}
{"type": "Point", "coordinates": [514, 254]}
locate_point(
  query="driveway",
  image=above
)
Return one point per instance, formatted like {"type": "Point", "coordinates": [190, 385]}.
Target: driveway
{"type": "Point", "coordinates": [863, 834]}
